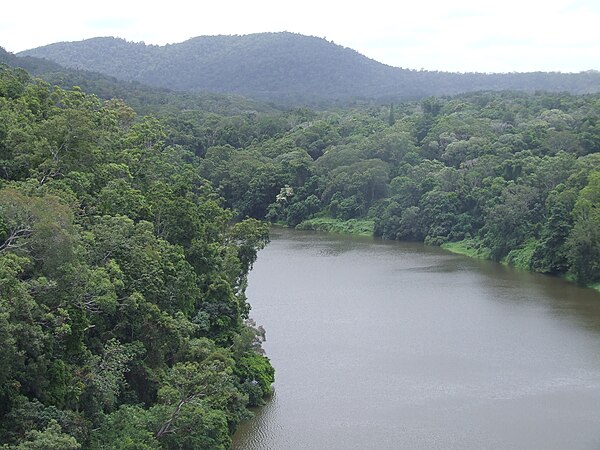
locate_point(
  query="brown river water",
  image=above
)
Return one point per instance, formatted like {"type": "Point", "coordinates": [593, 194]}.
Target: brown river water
{"type": "Point", "coordinates": [388, 345]}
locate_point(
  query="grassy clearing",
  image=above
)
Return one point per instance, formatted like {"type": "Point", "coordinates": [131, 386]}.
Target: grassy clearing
{"type": "Point", "coordinates": [467, 247]}
{"type": "Point", "coordinates": [352, 226]}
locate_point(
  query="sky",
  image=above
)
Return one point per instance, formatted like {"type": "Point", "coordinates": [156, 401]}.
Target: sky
{"type": "Point", "coordinates": [449, 35]}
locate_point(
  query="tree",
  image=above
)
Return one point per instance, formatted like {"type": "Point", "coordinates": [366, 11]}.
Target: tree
{"type": "Point", "coordinates": [121, 276]}
{"type": "Point", "coordinates": [584, 240]}
{"type": "Point", "coordinates": [34, 225]}
{"type": "Point", "coordinates": [392, 116]}
{"type": "Point", "coordinates": [507, 224]}
{"type": "Point", "coordinates": [51, 438]}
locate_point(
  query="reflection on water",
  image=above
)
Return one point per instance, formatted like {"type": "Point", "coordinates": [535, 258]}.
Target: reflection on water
{"type": "Point", "coordinates": [391, 345]}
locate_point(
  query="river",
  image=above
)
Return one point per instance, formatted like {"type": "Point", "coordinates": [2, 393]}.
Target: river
{"type": "Point", "coordinates": [388, 345]}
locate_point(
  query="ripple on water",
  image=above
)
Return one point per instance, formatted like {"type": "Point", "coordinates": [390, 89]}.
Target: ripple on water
{"type": "Point", "coordinates": [388, 345]}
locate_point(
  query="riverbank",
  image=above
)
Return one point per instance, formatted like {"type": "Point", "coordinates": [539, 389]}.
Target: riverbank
{"type": "Point", "coordinates": [467, 247]}
{"type": "Point", "coordinates": [518, 259]}
{"type": "Point", "coordinates": [353, 226]}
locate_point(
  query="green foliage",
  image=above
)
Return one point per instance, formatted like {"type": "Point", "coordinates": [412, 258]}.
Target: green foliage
{"type": "Point", "coordinates": [123, 314]}
{"type": "Point", "coordinates": [51, 438]}
{"type": "Point", "coordinates": [521, 257]}
{"type": "Point", "coordinates": [583, 242]}
{"type": "Point", "coordinates": [352, 226]}
{"type": "Point", "coordinates": [249, 236]}
{"type": "Point", "coordinates": [198, 428]}
{"type": "Point", "coordinates": [127, 428]}
{"type": "Point", "coordinates": [502, 171]}
{"type": "Point", "coordinates": [122, 281]}
{"type": "Point", "coordinates": [508, 222]}
{"type": "Point", "coordinates": [467, 247]}
{"type": "Point", "coordinates": [256, 371]}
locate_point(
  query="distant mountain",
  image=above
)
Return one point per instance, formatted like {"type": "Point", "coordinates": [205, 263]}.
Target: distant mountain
{"type": "Point", "coordinates": [144, 99]}
{"type": "Point", "coordinates": [286, 68]}
{"type": "Point", "coordinates": [31, 64]}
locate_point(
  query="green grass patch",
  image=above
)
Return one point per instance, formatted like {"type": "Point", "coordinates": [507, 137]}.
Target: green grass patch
{"type": "Point", "coordinates": [521, 257]}
{"type": "Point", "coordinates": [467, 247]}
{"type": "Point", "coordinates": [363, 227]}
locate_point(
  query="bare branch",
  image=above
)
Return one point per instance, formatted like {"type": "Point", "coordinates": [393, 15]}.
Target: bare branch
{"type": "Point", "coordinates": [166, 427]}
{"type": "Point", "coordinates": [11, 242]}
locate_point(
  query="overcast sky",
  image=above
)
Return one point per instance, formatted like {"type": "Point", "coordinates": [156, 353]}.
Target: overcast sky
{"type": "Point", "coordinates": [454, 35]}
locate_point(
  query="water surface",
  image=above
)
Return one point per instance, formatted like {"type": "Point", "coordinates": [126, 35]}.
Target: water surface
{"type": "Point", "coordinates": [387, 345]}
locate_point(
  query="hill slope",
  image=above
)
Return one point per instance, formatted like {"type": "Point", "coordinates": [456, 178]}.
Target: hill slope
{"type": "Point", "coordinates": [285, 67]}
{"type": "Point", "coordinates": [144, 99]}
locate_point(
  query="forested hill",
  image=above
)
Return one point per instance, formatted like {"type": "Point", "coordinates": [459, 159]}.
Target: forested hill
{"type": "Point", "coordinates": [144, 99]}
{"type": "Point", "coordinates": [286, 68]}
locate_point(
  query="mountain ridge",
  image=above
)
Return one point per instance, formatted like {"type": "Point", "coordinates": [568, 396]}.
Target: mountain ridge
{"type": "Point", "coordinates": [144, 99]}
{"type": "Point", "coordinates": [287, 68]}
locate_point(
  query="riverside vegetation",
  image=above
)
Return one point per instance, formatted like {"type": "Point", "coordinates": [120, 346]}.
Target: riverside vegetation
{"type": "Point", "coordinates": [123, 319]}
{"type": "Point", "coordinates": [505, 176]}
{"type": "Point", "coordinates": [126, 240]}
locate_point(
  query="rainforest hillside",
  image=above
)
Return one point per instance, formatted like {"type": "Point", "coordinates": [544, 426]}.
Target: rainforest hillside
{"type": "Point", "coordinates": [507, 176]}
{"type": "Point", "coordinates": [286, 68]}
{"type": "Point", "coordinates": [144, 99]}
{"type": "Point", "coordinates": [123, 318]}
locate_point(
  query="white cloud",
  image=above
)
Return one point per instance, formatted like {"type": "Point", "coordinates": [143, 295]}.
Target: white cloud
{"type": "Point", "coordinates": [462, 35]}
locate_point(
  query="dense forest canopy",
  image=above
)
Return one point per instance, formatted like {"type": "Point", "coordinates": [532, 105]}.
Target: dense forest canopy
{"type": "Point", "coordinates": [123, 318]}
{"type": "Point", "coordinates": [126, 240]}
{"type": "Point", "coordinates": [507, 176]}
{"type": "Point", "coordinates": [286, 68]}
